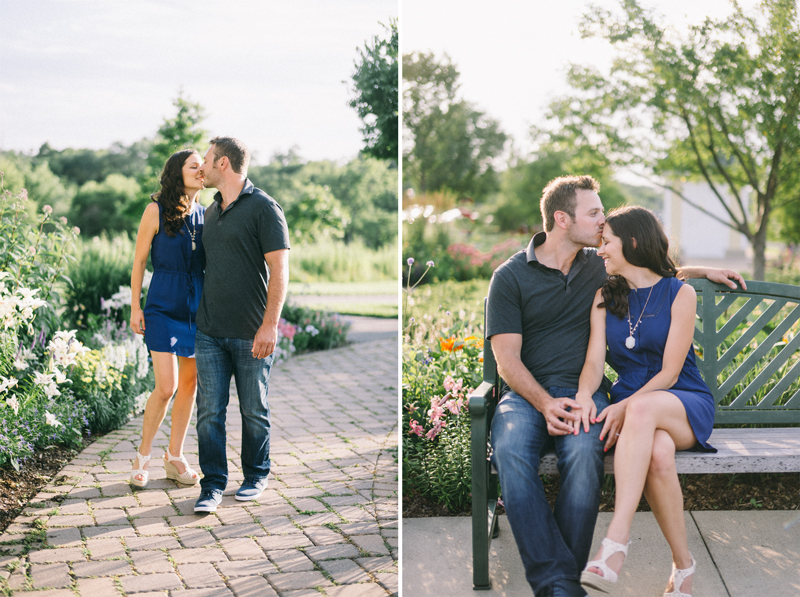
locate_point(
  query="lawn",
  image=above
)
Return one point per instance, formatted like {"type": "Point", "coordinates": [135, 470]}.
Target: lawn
{"type": "Point", "coordinates": [369, 299]}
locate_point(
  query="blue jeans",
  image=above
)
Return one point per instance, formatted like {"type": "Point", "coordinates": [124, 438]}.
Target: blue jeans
{"type": "Point", "coordinates": [217, 359]}
{"type": "Point", "coordinates": [554, 545]}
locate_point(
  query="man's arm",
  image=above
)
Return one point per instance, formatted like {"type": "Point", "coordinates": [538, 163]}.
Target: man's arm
{"type": "Point", "coordinates": [720, 276]}
{"type": "Point", "coordinates": [507, 350]}
{"type": "Point", "coordinates": [267, 335]}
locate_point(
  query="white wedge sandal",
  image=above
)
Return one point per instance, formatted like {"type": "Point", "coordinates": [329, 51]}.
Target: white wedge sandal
{"type": "Point", "coordinates": [609, 578]}
{"type": "Point", "coordinates": [142, 460]}
{"type": "Point", "coordinates": [188, 477]}
{"type": "Point", "coordinates": [678, 576]}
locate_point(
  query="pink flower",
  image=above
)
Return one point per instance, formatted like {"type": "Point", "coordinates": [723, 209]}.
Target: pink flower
{"type": "Point", "coordinates": [435, 413]}
{"type": "Point", "coordinates": [435, 429]}
{"type": "Point", "coordinates": [452, 406]}
{"type": "Point", "coordinates": [453, 386]}
{"type": "Point", "coordinates": [416, 428]}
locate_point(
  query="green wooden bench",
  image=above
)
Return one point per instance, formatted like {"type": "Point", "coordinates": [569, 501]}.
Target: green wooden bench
{"type": "Point", "coordinates": [747, 352]}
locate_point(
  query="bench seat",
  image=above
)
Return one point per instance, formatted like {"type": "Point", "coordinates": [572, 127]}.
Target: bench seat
{"type": "Point", "coordinates": [771, 450]}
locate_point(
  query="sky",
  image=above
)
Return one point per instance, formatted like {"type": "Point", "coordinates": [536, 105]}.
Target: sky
{"type": "Point", "coordinates": [274, 73]}
{"type": "Point", "coordinates": [513, 55]}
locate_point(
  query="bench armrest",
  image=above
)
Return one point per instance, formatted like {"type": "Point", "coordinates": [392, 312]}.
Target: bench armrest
{"type": "Point", "coordinates": [479, 399]}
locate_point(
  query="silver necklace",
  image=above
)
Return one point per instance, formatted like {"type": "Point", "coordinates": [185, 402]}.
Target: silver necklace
{"type": "Point", "coordinates": [193, 231]}
{"type": "Point", "coordinates": [630, 341]}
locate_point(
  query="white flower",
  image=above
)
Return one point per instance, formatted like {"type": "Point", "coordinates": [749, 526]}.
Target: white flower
{"type": "Point", "coordinates": [311, 330]}
{"type": "Point", "coordinates": [140, 402]}
{"type": "Point", "coordinates": [60, 377]}
{"type": "Point", "coordinates": [50, 419]}
{"type": "Point", "coordinates": [13, 403]}
{"type": "Point", "coordinates": [42, 379]}
{"type": "Point", "coordinates": [20, 363]}
{"type": "Point", "coordinates": [51, 390]}
{"type": "Point", "coordinates": [7, 384]}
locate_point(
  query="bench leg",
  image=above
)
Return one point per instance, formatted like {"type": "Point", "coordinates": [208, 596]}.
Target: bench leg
{"type": "Point", "coordinates": [481, 531]}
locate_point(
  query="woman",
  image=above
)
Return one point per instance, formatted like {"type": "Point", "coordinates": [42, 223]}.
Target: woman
{"type": "Point", "coordinates": [172, 227]}
{"type": "Point", "coordinates": [660, 403]}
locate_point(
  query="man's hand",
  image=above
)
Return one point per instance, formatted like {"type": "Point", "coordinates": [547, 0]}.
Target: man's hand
{"type": "Point", "coordinates": [265, 341]}
{"type": "Point", "coordinates": [613, 417]}
{"type": "Point", "coordinates": [559, 420]}
{"type": "Point", "coordinates": [725, 276]}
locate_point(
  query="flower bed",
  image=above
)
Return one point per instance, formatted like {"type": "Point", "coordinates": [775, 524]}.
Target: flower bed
{"type": "Point", "coordinates": [442, 363]}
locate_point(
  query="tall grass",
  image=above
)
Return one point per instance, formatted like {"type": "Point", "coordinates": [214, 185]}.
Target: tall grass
{"type": "Point", "coordinates": [339, 262]}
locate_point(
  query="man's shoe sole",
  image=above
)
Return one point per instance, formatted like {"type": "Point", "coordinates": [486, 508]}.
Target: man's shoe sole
{"type": "Point", "coordinates": [205, 509]}
{"type": "Point", "coordinates": [247, 499]}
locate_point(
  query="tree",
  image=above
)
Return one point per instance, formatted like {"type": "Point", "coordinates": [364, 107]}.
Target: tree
{"type": "Point", "coordinates": [180, 132]}
{"type": "Point", "coordinates": [719, 104]}
{"type": "Point", "coordinates": [375, 88]}
{"type": "Point", "coordinates": [100, 207]}
{"type": "Point", "coordinates": [448, 143]}
{"type": "Point", "coordinates": [315, 215]}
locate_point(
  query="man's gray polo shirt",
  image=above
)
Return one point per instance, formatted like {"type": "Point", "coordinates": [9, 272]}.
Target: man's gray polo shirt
{"type": "Point", "coordinates": [235, 240]}
{"type": "Point", "coordinates": [549, 309]}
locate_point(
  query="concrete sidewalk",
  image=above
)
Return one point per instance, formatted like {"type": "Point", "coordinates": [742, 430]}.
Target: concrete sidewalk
{"type": "Point", "coordinates": [327, 524]}
{"type": "Point", "coordinates": [738, 554]}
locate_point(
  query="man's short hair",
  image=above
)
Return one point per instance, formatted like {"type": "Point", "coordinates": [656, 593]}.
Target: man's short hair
{"type": "Point", "coordinates": [234, 150]}
{"type": "Point", "coordinates": [560, 195]}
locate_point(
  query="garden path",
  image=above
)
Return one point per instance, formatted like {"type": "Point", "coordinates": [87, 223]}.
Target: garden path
{"type": "Point", "coordinates": [327, 524]}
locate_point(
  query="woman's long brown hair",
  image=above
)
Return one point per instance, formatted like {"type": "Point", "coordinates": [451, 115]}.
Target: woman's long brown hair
{"type": "Point", "coordinates": [644, 244]}
{"type": "Point", "coordinates": [174, 202]}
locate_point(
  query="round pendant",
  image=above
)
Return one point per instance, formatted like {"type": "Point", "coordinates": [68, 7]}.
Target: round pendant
{"type": "Point", "coordinates": [630, 342]}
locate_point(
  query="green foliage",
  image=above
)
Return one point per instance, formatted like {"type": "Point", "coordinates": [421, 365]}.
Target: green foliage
{"type": "Point", "coordinates": [315, 330]}
{"type": "Point", "coordinates": [448, 143]}
{"type": "Point", "coordinates": [182, 131]}
{"type": "Point", "coordinates": [79, 166]}
{"type": "Point", "coordinates": [103, 265]}
{"type": "Point", "coordinates": [365, 189]}
{"type": "Point", "coordinates": [340, 262]}
{"type": "Point", "coordinates": [719, 102]}
{"type": "Point", "coordinates": [442, 363]}
{"type": "Point", "coordinates": [523, 183]}
{"type": "Point", "coordinates": [34, 254]}
{"type": "Point", "coordinates": [101, 207]}
{"type": "Point", "coordinates": [375, 89]}
{"type": "Point", "coordinates": [315, 215]}
{"type": "Point", "coordinates": [109, 381]}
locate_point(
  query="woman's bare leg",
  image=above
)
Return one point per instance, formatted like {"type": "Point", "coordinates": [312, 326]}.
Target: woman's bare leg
{"type": "Point", "coordinates": [643, 416]}
{"type": "Point", "coordinates": [165, 368]}
{"type": "Point", "coordinates": [663, 492]}
{"type": "Point", "coordinates": [182, 408]}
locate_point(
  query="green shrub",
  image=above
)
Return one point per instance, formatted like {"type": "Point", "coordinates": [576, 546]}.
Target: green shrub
{"type": "Point", "coordinates": [339, 262]}
{"type": "Point", "coordinates": [103, 265]}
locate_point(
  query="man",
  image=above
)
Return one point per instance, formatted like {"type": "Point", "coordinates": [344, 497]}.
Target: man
{"type": "Point", "coordinates": [538, 321]}
{"type": "Point", "coordinates": [246, 241]}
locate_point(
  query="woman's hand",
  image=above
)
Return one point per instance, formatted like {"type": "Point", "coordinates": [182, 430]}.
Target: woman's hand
{"type": "Point", "coordinates": [587, 412]}
{"type": "Point", "coordinates": [137, 321]}
{"type": "Point", "coordinates": [613, 417]}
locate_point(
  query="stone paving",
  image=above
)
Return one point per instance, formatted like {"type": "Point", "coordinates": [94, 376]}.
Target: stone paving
{"type": "Point", "coordinates": [326, 525]}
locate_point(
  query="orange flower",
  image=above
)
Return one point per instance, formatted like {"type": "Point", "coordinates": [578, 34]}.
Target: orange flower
{"type": "Point", "coordinates": [474, 339]}
{"type": "Point", "coordinates": [451, 344]}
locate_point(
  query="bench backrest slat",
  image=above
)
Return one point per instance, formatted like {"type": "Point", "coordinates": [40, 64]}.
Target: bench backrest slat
{"type": "Point", "coordinates": [752, 376]}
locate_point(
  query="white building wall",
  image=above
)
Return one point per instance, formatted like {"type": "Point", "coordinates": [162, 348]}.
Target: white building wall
{"type": "Point", "coordinates": [695, 235]}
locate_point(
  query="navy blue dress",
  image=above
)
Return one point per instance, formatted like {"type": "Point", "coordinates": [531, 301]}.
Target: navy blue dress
{"type": "Point", "coordinates": [170, 312]}
{"type": "Point", "coordinates": [639, 365]}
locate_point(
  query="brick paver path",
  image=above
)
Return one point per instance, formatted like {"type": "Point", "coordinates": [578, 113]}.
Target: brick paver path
{"type": "Point", "coordinates": [327, 524]}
